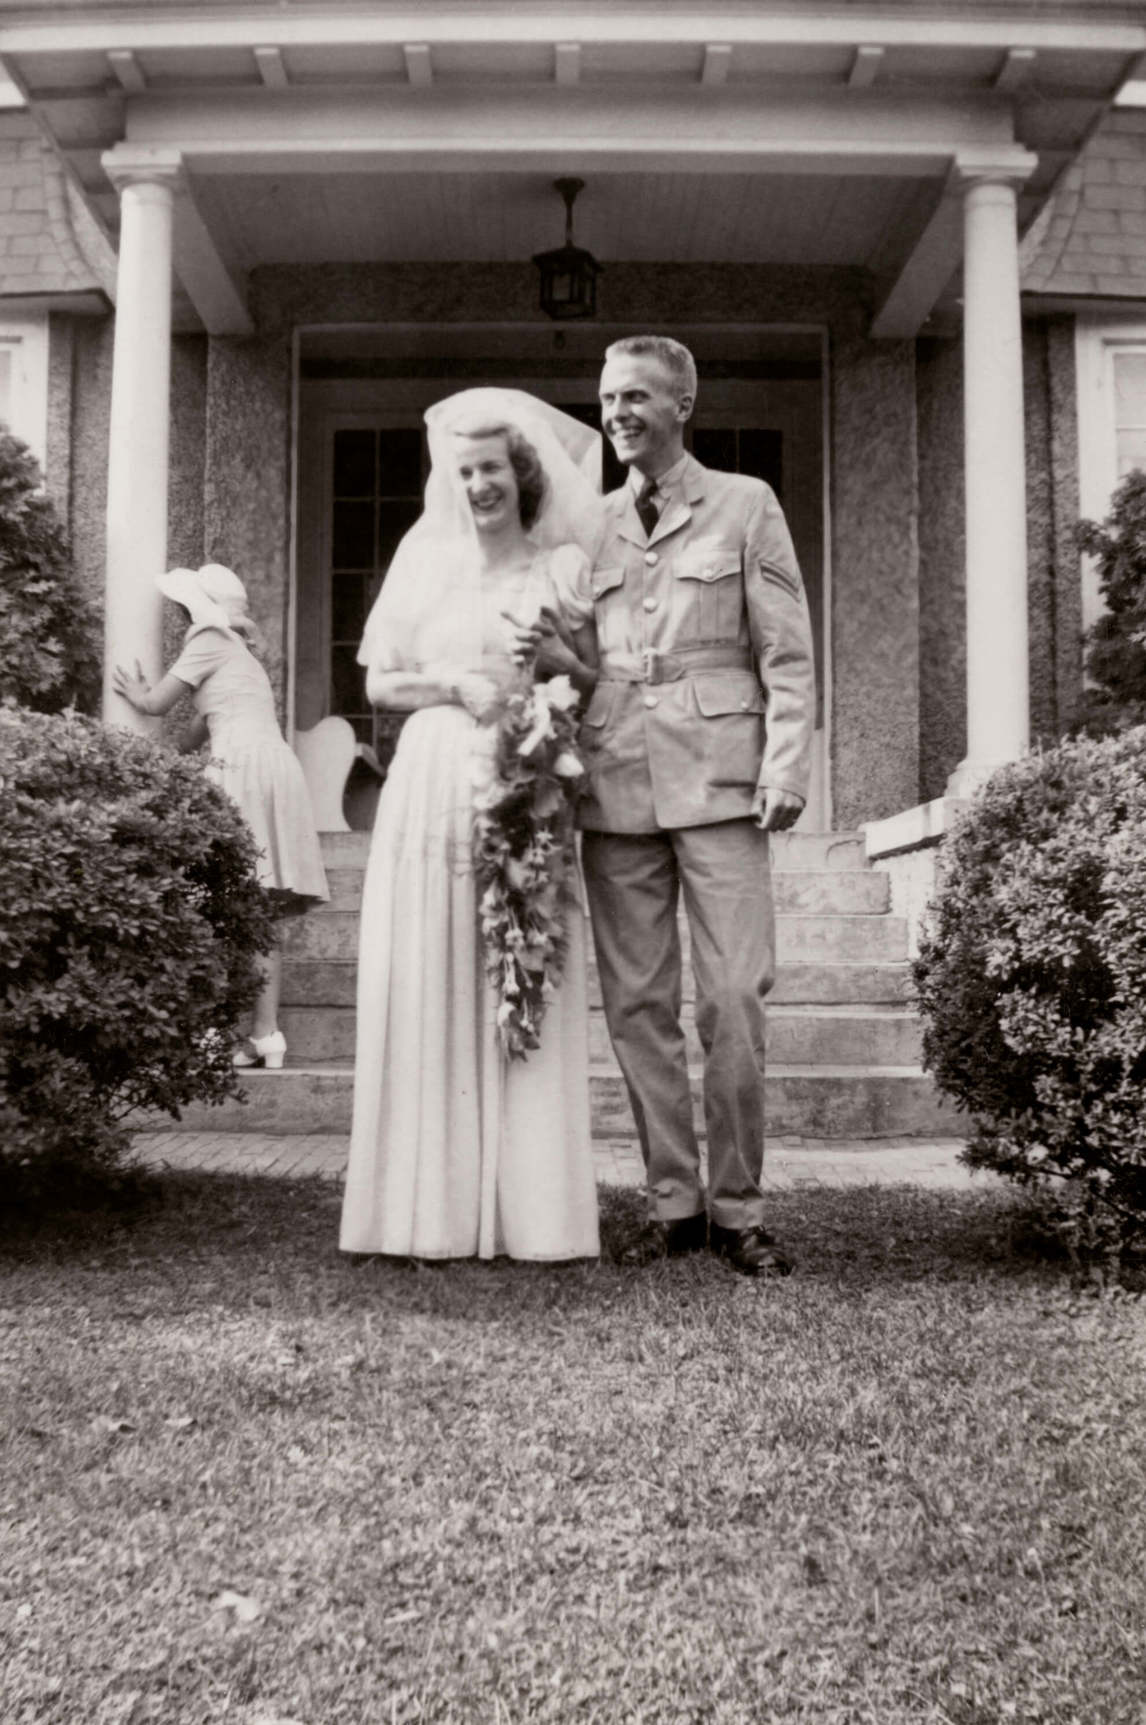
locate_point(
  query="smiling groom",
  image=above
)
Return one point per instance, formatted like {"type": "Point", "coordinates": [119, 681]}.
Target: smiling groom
{"type": "Point", "coordinates": [698, 745]}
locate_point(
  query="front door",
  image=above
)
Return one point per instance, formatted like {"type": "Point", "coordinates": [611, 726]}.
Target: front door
{"type": "Point", "coordinates": [362, 467]}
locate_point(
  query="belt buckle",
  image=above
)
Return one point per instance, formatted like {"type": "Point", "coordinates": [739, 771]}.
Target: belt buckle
{"type": "Point", "coordinates": [651, 666]}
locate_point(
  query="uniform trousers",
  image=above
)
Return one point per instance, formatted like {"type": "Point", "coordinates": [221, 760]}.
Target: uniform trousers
{"type": "Point", "coordinates": [634, 882]}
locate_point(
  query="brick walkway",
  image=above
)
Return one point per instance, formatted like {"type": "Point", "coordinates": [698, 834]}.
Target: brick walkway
{"type": "Point", "coordinates": [790, 1162]}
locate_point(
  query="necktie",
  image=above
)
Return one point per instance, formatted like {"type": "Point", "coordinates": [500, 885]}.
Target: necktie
{"type": "Point", "coordinates": [646, 508]}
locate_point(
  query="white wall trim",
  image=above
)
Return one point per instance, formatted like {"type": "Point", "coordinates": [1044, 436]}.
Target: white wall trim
{"type": "Point", "coordinates": [1096, 340]}
{"type": "Point", "coordinates": [24, 340]}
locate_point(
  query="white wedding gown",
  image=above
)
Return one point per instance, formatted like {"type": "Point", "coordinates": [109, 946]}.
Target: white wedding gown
{"type": "Point", "coordinates": [455, 1151]}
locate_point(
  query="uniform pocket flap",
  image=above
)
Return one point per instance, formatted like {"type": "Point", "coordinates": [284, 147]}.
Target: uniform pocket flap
{"type": "Point", "coordinates": [718, 694]}
{"type": "Point", "coordinates": [600, 705]}
{"type": "Point", "coordinates": [604, 580]}
{"type": "Point", "coordinates": [711, 564]}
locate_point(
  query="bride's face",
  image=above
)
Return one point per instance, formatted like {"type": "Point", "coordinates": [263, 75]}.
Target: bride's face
{"type": "Point", "coordinates": [490, 483]}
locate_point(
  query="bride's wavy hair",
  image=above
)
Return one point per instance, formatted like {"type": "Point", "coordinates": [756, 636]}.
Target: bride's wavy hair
{"type": "Point", "coordinates": [526, 464]}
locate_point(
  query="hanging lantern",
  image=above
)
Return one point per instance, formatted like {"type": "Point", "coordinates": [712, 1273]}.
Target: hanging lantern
{"type": "Point", "coordinates": [569, 274]}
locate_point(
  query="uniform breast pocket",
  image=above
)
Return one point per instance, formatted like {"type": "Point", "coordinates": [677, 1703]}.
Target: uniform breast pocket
{"type": "Point", "coordinates": [712, 591]}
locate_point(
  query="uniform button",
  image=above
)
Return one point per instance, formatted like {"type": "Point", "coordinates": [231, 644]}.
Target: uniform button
{"type": "Point", "coordinates": [651, 558]}
{"type": "Point", "coordinates": [744, 703]}
{"type": "Point", "coordinates": [650, 604]}
{"type": "Point", "coordinates": [650, 700]}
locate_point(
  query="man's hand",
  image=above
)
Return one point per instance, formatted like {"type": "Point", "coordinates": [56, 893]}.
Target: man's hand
{"type": "Point", "coordinates": [774, 811]}
{"type": "Point", "coordinates": [544, 643]}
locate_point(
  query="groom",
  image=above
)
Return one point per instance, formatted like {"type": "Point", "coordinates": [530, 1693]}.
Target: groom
{"type": "Point", "coordinates": [698, 744]}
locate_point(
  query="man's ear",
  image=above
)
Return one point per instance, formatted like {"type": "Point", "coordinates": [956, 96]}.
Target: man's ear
{"type": "Point", "coordinates": [684, 407]}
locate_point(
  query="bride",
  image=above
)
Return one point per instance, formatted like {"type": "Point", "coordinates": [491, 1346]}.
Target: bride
{"type": "Point", "coordinates": [456, 1151]}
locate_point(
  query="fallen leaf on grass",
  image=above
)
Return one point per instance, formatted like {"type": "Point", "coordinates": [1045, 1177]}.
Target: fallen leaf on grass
{"type": "Point", "coordinates": [180, 1422]}
{"type": "Point", "coordinates": [244, 1607]}
{"type": "Point", "coordinates": [112, 1426]}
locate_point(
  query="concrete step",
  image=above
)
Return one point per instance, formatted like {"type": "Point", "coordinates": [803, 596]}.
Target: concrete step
{"type": "Point", "coordinates": [814, 1102]}
{"type": "Point", "coordinates": [797, 892]}
{"type": "Point", "coordinates": [331, 982]}
{"type": "Point", "coordinates": [333, 934]}
{"type": "Point", "coordinates": [813, 851]}
{"type": "Point", "coordinates": [794, 1035]}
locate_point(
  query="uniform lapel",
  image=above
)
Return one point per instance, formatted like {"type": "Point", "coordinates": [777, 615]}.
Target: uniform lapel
{"type": "Point", "coordinates": [628, 521]}
{"type": "Point", "coordinates": [678, 512]}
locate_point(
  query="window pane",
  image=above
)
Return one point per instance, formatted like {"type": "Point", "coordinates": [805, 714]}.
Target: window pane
{"type": "Point", "coordinates": [347, 609]}
{"type": "Point", "coordinates": [715, 448]}
{"type": "Point", "coordinates": [1130, 388]}
{"type": "Point", "coordinates": [6, 386]}
{"type": "Point", "coordinates": [354, 464]}
{"type": "Point", "coordinates": [347, 681]}
{"type": "Point", "coordinates": [1131, 451]}
{"type": "Point", "coordinates": [393, 521]}
{"type": "Point", "coordinates": [400, 464]}
{"type": "Point", "coordinates": [762, 455]}
{"type": "Point", "coordinates": [352, 536]}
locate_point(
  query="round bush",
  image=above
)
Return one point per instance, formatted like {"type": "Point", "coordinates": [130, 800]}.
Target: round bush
{"type": "Point", "coordinates": [49, 634]}
{"type": "Point", "coordinates": [1032, 974]}
{"type": "Point", "coordinates": [130, 921]}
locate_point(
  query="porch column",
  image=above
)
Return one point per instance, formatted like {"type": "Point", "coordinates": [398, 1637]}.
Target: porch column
{"type": "Point", "coordinates": [998, 710]}
{"type": "Point", "coordinates": [140, 410]}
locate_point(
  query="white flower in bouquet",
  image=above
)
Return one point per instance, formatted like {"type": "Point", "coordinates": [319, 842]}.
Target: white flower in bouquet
{"type": "Point", "coordinates": [567, 766]}
{"type": "Point", "coordinates": [560, 693]}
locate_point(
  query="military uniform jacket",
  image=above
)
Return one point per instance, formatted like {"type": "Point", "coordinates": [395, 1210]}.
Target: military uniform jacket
{"type": "Point", "coordinates": [707, 685]}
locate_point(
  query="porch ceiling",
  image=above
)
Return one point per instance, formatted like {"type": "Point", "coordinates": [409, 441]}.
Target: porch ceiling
{"type": "Point", "coordinates": [782, 133]}
{"type": "Point", "coordinates": [506, 217]}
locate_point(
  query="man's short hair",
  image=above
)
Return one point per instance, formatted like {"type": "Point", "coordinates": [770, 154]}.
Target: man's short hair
{"type": "Point", "coordinates": [673, 355]}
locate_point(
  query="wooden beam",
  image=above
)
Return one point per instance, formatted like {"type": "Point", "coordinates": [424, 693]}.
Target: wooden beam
{"type": "Point", "coordinates": [126, 68]}
{"type": "Point", "coordinates": [1016, 69]}
{"type": "Point", "coordinates": [567, 62]}
{"type": "Point", "coordinates": [866, 67]}
{"type": "Point", "coordinates": [272, 68]}
{"type": "Point", "coordinates": [419, 65]}
{"type": "Point", "coordinates": [598, 21]}
{"type": "Point", "coordinates": [717, 63]}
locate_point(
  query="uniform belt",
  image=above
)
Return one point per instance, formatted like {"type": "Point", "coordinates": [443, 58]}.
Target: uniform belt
{"type": "Point", "coordinates": [652, 666]}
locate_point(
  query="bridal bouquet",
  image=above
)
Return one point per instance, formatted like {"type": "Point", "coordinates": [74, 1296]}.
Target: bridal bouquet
{"type": "Point", "coordinates": [524, 800]}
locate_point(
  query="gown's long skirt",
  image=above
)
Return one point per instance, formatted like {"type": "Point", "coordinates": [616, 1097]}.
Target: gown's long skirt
{"type": "Point", "coordinates": [454, 1151]}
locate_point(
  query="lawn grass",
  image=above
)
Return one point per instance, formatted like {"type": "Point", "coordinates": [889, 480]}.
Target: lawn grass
{"type": "Point", "coordinates": [249, 1480]}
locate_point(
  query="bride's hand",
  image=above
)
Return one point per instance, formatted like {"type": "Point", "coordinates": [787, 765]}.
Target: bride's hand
{"type": "Point", "coordinates": [479, 695]}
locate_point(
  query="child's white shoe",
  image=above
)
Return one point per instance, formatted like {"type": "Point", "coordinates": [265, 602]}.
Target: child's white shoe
{"type": "Point", "coordinates": [270, 1052]}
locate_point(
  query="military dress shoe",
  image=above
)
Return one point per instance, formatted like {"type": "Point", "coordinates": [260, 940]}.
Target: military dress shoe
{"type": "Point", "coordinates": [659, 1239]}
{"type": "Point", "coordinates": [752, 1251]}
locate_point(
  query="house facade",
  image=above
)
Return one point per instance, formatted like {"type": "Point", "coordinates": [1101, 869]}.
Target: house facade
{"type": "Point", "coordinates": [248, 249]}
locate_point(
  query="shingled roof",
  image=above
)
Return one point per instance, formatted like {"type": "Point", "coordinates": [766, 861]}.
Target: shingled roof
{"type": "Point", "coordinates": [50, 246]}
{"type": "Point", "coordinates": [1090, 240]}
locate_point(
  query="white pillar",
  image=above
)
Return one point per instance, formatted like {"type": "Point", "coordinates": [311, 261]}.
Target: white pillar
{"type": "Point", "coordinates": [998, 702]}
{"type": "Point", "coordinates": [140, 408]}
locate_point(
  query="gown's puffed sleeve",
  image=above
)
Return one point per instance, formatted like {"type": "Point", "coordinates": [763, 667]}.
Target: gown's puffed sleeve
{"type": "Point", "coordinates": [205, 648]}
{"type": "Point", "coordinates": [569, 569]}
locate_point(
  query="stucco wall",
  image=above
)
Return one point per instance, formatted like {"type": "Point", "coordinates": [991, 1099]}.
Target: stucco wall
{"type": "Point", "coordinates": [942, 573]}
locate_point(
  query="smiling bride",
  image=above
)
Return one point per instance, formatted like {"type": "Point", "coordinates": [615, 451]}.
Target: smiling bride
{"type": "Point", "coordinates": [457, 1148]}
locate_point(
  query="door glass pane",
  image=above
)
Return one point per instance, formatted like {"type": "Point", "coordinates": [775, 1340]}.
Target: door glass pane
{"type": "Point", "coordinates": [1131, 450]}
{"type": "Point", "coordinates": [1130, 388]}
{"type": "Point", "coordinates": [354, 463]}
{"type": "Point", "coordinates": [347, 607]}
{"type": "Point", "coordinates": [400, 462]}
{"type": "Point", "coordinates": [352, 535]}
{"type": "Point", "coordinates": [394, 519]}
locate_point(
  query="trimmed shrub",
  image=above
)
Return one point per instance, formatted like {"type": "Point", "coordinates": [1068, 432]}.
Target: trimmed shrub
{"type": "Point", "coordinates": [1032, 973]}
{"type": "Point", "coordinates": [130, 921]}
{"type": "Point", "coordinates": [49, 634]}
{"type": "Point", "coordinates": [1116, 646]}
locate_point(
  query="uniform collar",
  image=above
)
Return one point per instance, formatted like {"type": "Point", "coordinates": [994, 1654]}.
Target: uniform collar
{"type": "Point", "coordinates": [682, 486]}
{"type": "Point", "coordinates": [666, 482]}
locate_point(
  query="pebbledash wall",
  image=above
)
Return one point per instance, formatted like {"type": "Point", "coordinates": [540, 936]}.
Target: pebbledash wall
{"type": "Point", "coordinates": [895, 438]}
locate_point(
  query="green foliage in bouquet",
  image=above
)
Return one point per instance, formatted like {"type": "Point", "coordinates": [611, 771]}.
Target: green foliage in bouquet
{"type": "Point", "coordinates": [1116, 645]}
{"type": "Point", "coordinates": [49, 634]}
{"type": "Point", "coordinates": [130, 921]}
{"type": "Point", "coordinates": [1032, 974]}
{"type": "Point", "coordinates": [524, 810]}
